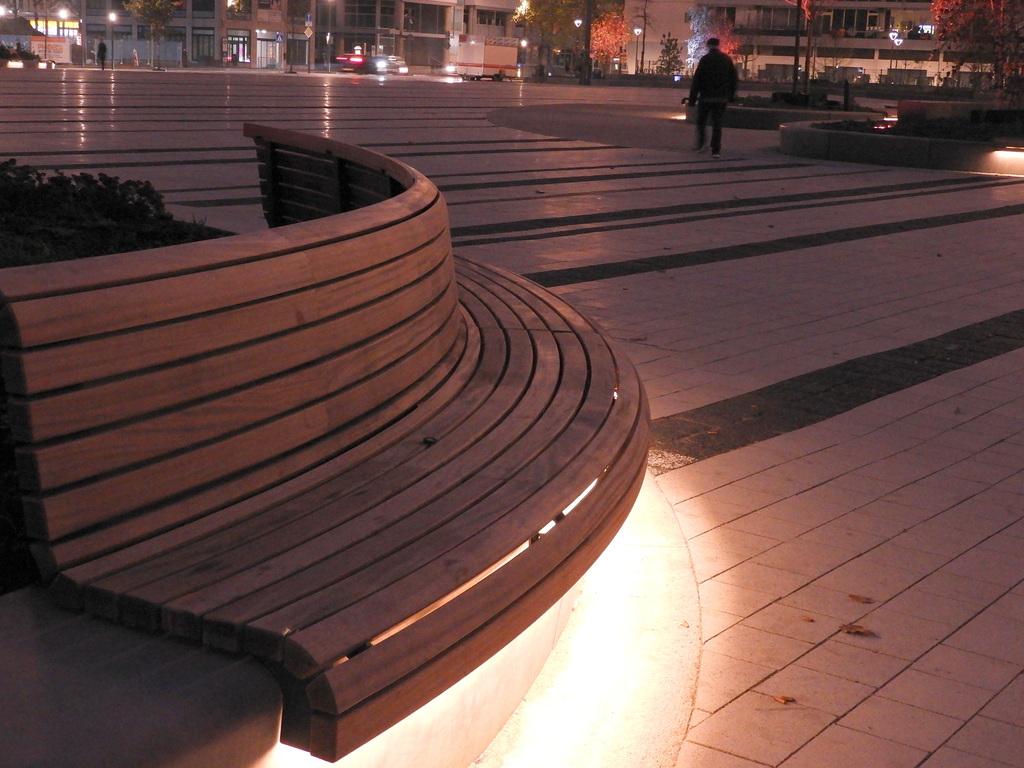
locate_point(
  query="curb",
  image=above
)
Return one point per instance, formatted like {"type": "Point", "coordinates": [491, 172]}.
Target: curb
{"type": "Point", "coordinates": [805, 140]}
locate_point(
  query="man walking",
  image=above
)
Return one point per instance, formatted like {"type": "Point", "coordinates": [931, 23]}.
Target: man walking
{"type": "Point", "coordinates": [714, 86]}
{"type": "Point", "coordinates": [101, 54]}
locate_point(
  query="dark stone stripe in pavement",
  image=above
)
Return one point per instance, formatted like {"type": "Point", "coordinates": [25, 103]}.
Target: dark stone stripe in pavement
{"type": "Point", "coordinates": [674, 210]}
{"type": "Point", "coordinates": [594, 272]}
{"type": "Point", "coordinates": [713, 214]}
{"type": "Point", "coordinates": [701, 433]}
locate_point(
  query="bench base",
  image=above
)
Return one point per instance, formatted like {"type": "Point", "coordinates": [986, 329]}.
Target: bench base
{"type": "Point", "coordinates": [82, 693]}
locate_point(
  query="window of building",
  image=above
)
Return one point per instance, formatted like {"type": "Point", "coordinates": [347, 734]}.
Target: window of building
{"type": "Point", "coordinates": [427, 19]}
{"type": "Point", "coordinates": [204, 45]}
{"type": "Point", "coordinates": [238, 45]}
{"type": "Point", "coordinates": [95, 7]}
{"type": "Point", "coordinates": [491, 18]}
{"type": "Point", "coordinates": [203, 9]}
{"type": "Point", "coordinates": [361, 14]}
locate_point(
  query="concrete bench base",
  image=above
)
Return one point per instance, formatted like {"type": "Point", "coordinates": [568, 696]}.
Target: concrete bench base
{"type": "Point", "coordinates": [82, 693]}
{"type": "Point", "coordinates": [805, 140]}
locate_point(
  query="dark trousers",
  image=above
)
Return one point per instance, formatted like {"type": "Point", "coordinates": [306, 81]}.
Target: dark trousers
{"type": "Point", "coordinates": [714, 110]}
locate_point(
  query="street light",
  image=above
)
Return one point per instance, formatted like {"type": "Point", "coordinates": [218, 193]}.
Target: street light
{"type": "Point", "coordinates": [113, 20]}
{"type": "Point", "coordinates": [636, 56]}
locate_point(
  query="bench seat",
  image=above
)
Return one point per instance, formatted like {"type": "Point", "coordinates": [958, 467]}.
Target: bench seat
{"type": "Point", "coordinates": [372, 486]}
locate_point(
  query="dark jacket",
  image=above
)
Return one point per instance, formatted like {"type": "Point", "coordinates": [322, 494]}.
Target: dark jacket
{"type": "Point", "coordinates": [715, 78]}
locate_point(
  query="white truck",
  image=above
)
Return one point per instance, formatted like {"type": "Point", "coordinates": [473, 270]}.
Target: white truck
{"type": "Point", "coordinates": [493, 57]}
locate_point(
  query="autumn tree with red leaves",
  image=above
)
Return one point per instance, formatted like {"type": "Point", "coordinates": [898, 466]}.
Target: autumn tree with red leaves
{"type": "Point", "coordinates": [985, 30]}
{"type": "Point", "coordinates": [608, 37]}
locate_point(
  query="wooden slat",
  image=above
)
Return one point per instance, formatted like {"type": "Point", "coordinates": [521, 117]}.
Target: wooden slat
{"type": "Point", "coordinates": [261, 307]}
{"type": "Point", "coordinates": [431, 393]}
{"type": "Point", "coordinates": [313, 446]}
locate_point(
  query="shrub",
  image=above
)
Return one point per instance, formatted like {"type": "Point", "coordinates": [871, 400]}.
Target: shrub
{"type": "Point", "coordinates": [85, 216]}
{"type": "Point", "coordinates": [58, 218]}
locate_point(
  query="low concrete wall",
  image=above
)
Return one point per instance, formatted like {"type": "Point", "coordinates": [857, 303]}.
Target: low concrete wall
{"type": "Point", "coordinates": [805, 140]}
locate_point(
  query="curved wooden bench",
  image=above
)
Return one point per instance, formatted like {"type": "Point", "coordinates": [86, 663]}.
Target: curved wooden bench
{"type": "Point", "coordinates": [332, 446]}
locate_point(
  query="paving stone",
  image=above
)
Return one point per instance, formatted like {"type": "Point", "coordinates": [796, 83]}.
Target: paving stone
{"type": "Point", "coordinates": [852, 663]}
{"type": "Point", "coordinates": [1008, 704]}
{"type": "Point", "coordinates": [840, 747]}
{"type": "Point", "coordinates": [760, 647]}
{"type": "Point", "coordinates": [936, 694]}
{"type": "Point", "coordinates": [759, 728]}
{"type": "Point", "coordinates": [902, 723]}
{"type": "Point", "coordinates": [992, 739]}
{"type": "Point", "coordinates": [819, 690]}
{"type": "Point", "coordinates": [966, 667]}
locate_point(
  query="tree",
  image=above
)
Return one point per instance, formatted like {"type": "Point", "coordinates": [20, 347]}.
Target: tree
{"type": "Point", "coordinates": [645, 20]}
{"type": "Point", "coordinates": [552, 22]}
{"type": "Point", "coordinates": [986, 30]}
{"type": "Point", "coordinates": [705, 23]}
{"type": "Point", "coordinates": [810, 9]}
{"type": "Point", "coordinates": [609, 36]}
{"type": "Point", "coordinates": [670, 61]}
{"type": "Point", "coordinates": [156, 14]}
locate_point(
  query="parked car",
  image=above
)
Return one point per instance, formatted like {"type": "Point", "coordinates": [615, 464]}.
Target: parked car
{"type": "Point", "coordinates": [371, 64]}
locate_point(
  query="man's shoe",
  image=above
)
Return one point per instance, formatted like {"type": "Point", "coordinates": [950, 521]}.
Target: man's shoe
{"type": "Point", "coordinates": [716, 155]}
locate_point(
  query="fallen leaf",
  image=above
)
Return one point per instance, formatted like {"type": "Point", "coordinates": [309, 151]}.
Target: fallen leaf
{"type": "Point", "coordinates": [784, 699]}
{"type": "Point", "coordinates": [807, 618]}
{"type": "Point", "coordinates": [855, 629]}
{"type": "Point", "coordinates": [861, 599]}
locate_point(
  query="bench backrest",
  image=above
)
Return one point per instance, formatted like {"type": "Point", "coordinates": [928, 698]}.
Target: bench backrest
{"type": "Point", "coordinates": [146, 392]}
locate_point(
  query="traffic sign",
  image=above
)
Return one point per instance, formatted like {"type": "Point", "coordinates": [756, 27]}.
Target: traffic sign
{"type": "Point", "coordinates": [279, 38]}
{"type": "Point", "coordinates": [309, 33]}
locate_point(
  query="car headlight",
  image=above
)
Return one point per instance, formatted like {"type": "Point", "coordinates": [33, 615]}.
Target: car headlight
{"type": "Point", "coordinates": [381, 66]}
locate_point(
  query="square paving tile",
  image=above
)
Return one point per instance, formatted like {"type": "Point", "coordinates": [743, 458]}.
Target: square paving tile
{"type": "Point", "coordinates": [828, 602]}
{"type": "Point", "coordinates": [1008, 705]}
{"type": "Point", "coordinates": [966, 667]}
{"type": "Point", "coordinates": [773, 581]}
{"type": "Point", "coordinates": [944, 610]}
{"type": "Point", "coordinates": [740, 601]}
{"type": "Point", "coordinates": [851, 663]}
{"type": "Point", "coordinates": [808, 558]}
{"type": "Point", "coordinates": [936, 694]}
{"type": "Point", "coordinates": [792, 622]}
{"type": "Point", "coordinates": [840, 747]}
{"type": "Point", "coordinates": [947, 757]}
{"type": "Point", "coordinates": [960, 587]}
{"type": "Point", "coordinates": [722, 678]}
{"type": "Point", "coordinates": [759, 728]}
{"type": "Point", "coordinates": [755, 645]}
{"type": "Point", "coordinates": [992, 739]}
{"type": "Point", "coordinates": [713, 621]}
{"type": "Point", "coordinates": [871, 579]}
{"type": "Point", "coordinates": [992, 635]}
{"type": "Point", "coordinates": [897, 634]}
{"type": "Point", "coordinates": [902, 723]}
{"type": "Point", "coordinates": [812, 688]}
{"type": "Point", "coordinates": [762, 524]}
{"type": "Point", "coordinates": [698, 756]}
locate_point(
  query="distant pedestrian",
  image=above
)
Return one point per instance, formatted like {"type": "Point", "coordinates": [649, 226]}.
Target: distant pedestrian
{"type": "Point", "coordinates": [101, 54]}
{"type": "Point", "coordinates": [714, 86]}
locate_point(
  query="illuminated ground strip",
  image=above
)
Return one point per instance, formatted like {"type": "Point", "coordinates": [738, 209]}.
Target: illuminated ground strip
{"type": "Point", "coordinates": [701, 433]}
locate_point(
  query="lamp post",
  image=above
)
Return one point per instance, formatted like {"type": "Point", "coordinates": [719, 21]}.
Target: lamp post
{"type": "Point", "coordinates": [636, 53]}
{"type": "Point", "coordinates": [113, 19]}
{"type": "Point", "coordinates": [894, 35]}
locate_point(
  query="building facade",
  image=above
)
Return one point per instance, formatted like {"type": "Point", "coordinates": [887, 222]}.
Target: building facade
{"type": "Point", "coordinates": [266, 34]}
{"type": "Point", "coordinates": [856, 40]}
